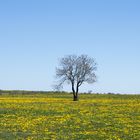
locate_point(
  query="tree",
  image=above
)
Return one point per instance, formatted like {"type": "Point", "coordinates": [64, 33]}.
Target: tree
{"type": "Point", "coordinates": [76, 70]}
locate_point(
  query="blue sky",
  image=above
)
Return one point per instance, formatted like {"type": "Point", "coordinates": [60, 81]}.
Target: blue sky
{"type": "Point", "coordinates": [34, 34]}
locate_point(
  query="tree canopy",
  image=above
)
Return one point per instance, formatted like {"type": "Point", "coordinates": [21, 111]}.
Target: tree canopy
{"type": "Point", "coordinates": [76, 70]}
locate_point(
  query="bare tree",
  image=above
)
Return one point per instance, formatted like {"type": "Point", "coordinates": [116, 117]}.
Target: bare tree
{"type": "Point", "coordinates": [76, 70]}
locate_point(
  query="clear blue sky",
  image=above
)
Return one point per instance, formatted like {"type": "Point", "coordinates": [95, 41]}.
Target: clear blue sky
{"type": "Point", "coordinates": [35, 33]}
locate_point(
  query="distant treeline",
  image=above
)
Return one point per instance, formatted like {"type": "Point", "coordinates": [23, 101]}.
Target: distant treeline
{"type": "Point", "coordinates": [10, 92]}
{"type": "Point", "coordinates": [20, 92]}
{"type": "Point", "coordinates": [28, 92]}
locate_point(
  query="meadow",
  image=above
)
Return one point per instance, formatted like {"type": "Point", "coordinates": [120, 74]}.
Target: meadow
{"type": "Point", "coordinates": [54, 116]}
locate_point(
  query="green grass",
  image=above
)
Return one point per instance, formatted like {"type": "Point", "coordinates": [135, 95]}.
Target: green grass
{"type": "Point", "coordinates": [40, 116]}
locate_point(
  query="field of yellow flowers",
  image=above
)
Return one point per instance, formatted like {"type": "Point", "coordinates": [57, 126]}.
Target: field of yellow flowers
{"type": "Point", "coordinates": [57, 117]}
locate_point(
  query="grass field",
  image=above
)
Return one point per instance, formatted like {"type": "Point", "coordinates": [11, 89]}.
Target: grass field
{"type": "Point", "coordinates": [57, 117]}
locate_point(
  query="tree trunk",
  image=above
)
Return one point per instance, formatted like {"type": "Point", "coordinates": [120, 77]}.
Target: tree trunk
{"type": "Point", "coordinates": [73, 90]}
{"type": "Point", "coordinates": [75, 94]}
{"type": "Point", "coordinates": [75, 97]}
